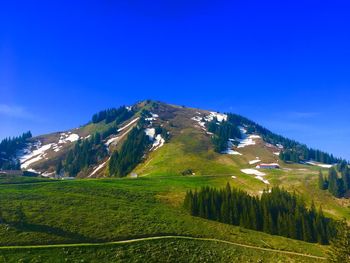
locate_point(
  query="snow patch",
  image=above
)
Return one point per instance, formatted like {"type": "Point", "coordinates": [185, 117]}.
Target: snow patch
{"type": "Point", "coordinates": [254, 161]}
{"type": "Point", "coordinates": [229, 149]}
{"type": "Point", "coordinates": [246, 139]}
{"type": "Point", "coordinates": [70, 137]}
{"type": "Point", "coordinates": [258, 175]}
{"type": "Point", "coordinates": [220, 117]}
{"type": "Point", "coordinates": [28, 156]}
{"type": "Point", "coordinates": [150, 132]}
{"type": "Point", "coordinates": [158, 142]}
{"type": "Point", "coordinates": [111, 140]}
{"type": "Point", "coordinates": [322, 165]}
{"type": "Point", "coordinates": [199, 120]}
{"type": "Point", "coordinates": [98, 168]}
{"type": "Point", "coordinates": [130, 123]}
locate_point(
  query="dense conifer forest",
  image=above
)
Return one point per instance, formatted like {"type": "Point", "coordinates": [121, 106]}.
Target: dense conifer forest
{"type": "Point", "coordinates": [124, 161]}
{"type": "Point", "coordinates": [114, 114]}
{"type": "Point", "coordinates": [337, 182]}
{"type": "Point", "coordinates": [9, 148]}
{"type": "Point", "coordinates": [84, 154]}
{"type": "Point", "coordinates": [276, 212]}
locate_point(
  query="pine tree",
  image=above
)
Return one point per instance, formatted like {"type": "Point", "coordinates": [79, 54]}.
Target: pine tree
{"type": "Point", "coordinates": [346, 178]}
{"type": "Point", "coordinates": [333, 186]}
{"type": "Point", "coordinates": [321, 181]}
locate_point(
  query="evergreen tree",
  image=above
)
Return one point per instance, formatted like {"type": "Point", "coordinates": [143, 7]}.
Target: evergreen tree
{"type": "Point", "coordinates": [333, 182]}
{"type": "Point", "coordinates": [130, 154]}
{"type": "Point", "coordinates": [321, 182]}
{"type": "Point", "coordinates": [278, 212]}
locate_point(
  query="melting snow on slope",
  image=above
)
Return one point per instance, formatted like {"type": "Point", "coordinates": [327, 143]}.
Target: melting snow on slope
{"type": "Point", "coordinates": [320, 164]}
{"type": "Point", "coordinates": [258, 175]}
{"type": "Point", "coordinates": [27, 156]}
{"type": "Point", "coordinates": [247, 139]}
{"type": "Point", "coordinates": [255, 161]}
{"type": "Point", "coordinates": [153, 118]}
{"type": "Point", "coordinates": [199, 120]}
{"type": "Point", "coordinates": [158, 142]}
{"type": "Point", "coordinates": [111, 140]}
{"type": "Point", "coordinates": [150, 132]}
{"type": "Point", "coordinates": [98, 168]}
{"type": "Point", "coordinates": [229, 149]}
{"type": "Point", "coordinates": [70, 137]}
{"type": "Point", "coordinates": [130, 123]}
{"type": "Point", "coordinates": [220, 117]}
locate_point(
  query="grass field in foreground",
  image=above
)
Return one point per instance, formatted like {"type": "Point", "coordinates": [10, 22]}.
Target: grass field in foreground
{"type": "Point", "coordinates": [120, 209]}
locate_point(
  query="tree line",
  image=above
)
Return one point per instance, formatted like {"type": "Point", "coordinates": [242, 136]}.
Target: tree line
{"type": "Point", "coordinates": [114, 114]}
{"type": "Point", "coordinates": [276, 212]}
{"type": "Point", "coordinates": [337, 182]}
{"type": "Point", "coordinates": [9, 148]}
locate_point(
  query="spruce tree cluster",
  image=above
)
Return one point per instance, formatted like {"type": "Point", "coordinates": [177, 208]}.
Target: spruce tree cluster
{"type": "Point", "coordinates": [124, 161]}
{"type": "Point", "coordinates": [277, 212]}
{"type": "Point", "coordinates": [85, 153]}
{"type": "Point", "coordinates": [9, 148]}
{"type": "Point", "coordinates": [222, 131]}
{"type": "Point", "coordinates": [338, 180]}
{"type": "Point", "coordinates": [114, 114]}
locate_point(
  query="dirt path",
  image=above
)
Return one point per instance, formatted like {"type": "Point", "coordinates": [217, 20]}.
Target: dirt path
{"type": "Point", "coordinates": [166, 237]}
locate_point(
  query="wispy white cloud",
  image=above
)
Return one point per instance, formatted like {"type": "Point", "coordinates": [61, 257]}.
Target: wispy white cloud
{"type": "Point", "coordinates": [15, 111]}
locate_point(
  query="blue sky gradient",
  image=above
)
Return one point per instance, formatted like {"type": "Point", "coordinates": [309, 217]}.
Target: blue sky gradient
{"type": "Point", "coordinates": [284, 65]}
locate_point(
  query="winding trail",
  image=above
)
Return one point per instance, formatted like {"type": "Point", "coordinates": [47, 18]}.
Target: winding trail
{"type": "Point", "coordinates": [165, 237]}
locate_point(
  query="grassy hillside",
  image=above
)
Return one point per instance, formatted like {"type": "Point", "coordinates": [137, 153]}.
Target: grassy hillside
{"type": "Point", "coordinates": [111, 210]}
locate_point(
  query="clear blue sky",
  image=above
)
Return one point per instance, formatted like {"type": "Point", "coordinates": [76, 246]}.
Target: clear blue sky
{"type": "Point", "coordinates": [284, 64]}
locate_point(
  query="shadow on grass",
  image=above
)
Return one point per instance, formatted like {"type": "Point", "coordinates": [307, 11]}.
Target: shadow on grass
{"type": "Point", "coordinates": [74, 237]}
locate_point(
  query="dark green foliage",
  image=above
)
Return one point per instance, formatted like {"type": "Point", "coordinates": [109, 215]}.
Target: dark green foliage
{"type": "Point", "coordinates": [222, 131]}
{"type": "Point", "coordinates": [277, 213]}
{"type": "Point", "coordinates": [293, 150]}
{"type": "Point", "coordinates": [118, 115]}
{"type": "Point", "coordinates": [187, 172]}
{"type": "Point", "coordinates": [334, 186]}
{"type": "Point", "coordinates": [322, 182]}
{"type": "Point", "coordinates": [8, 149]}
{"type": "Point", "coordinates": [337, 186]}
{"type": "Point", "coordinates": [131, 153]}
{"type": "Point", "coordinates": [340, 246]}
{"type": "Point", "coordinates": [30, 174]}
{"type": "Point", "coordinates": [84, 154]}
{"type": "Point", "coordinates": [163, 132]}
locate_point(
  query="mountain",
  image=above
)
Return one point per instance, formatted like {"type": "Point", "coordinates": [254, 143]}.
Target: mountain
{"type": "Point", "coordinates": [181, 140]}
{"type": "Point", "coordinates": [161, 176]}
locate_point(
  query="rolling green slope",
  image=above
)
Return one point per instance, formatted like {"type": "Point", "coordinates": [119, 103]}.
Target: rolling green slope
{"type": "Point", "coordinates": [120, 209]}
